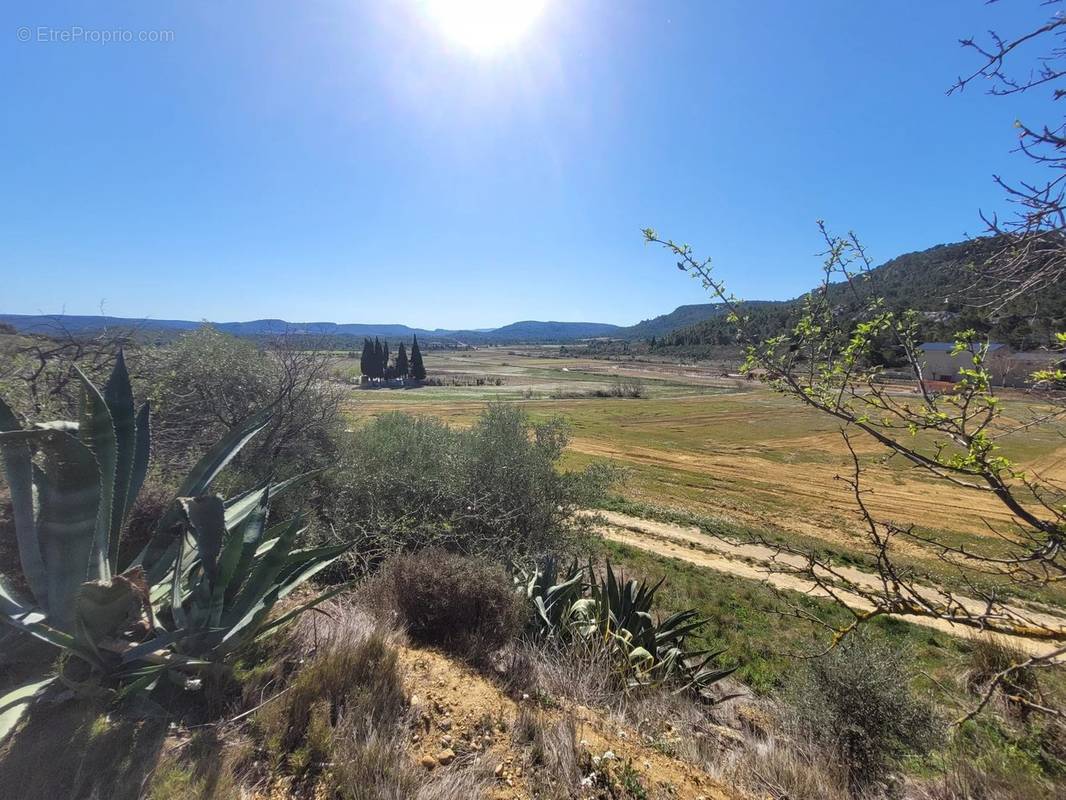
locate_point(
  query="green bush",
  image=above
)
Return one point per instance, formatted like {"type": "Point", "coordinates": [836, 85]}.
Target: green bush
{"type": "Point", "coordinates": [857, 702]}
{"type": "Point", "coordinates": [404, 483]}
{"type": "Point", "coordinates": [464, 605]}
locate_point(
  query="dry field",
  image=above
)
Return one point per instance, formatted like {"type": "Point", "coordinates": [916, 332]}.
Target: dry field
{"type": "Point", "coordinates": [703, 443]}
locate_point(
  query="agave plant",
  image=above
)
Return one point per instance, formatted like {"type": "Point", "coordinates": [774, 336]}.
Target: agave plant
{"type": "Point", "coordinates": [205, 583]}
{"type": "Point", "coordinates": [555, 598]}
{"type": "Point", "coordinates": [651, 651]}
{"type": "Point", "coordinates": [647, 650]}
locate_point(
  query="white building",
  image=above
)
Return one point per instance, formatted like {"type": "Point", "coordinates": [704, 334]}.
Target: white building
{"type": "Point", "coordinates": [940, 364]}
{"type": "Point", "coordinates": [1006, 367]}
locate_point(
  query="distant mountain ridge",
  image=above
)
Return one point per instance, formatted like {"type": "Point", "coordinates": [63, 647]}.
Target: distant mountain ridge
{"type": "Point", "coordinates": [928, 281]}
{"type": "Point", "coordinates": [526, 331]}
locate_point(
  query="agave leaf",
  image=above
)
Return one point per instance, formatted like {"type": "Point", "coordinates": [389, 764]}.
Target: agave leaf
{"type": "Point", "coordinates": [97, 432]}
{"type": "Point", "coordinates": [153, 645]}
{"type": "Point", "coordinates": [161, 549]}
{"type": "Point", "coordinates": [85, 644]}
{"type": "Point", "coordinates": [248, 625]}
{"type": "Point", "coordinates": [274, 624]}
{"type": "Point", "coordinates": [118, 394]}
{"type": "Point", "coordinates": [296, 560]}
{"type": "Point", "coordinates": [141, 455]}
{"type": "Point", "coordinates": [238, 508]}
{"type": "Point", "coordinates": [18, 470]}
{"type": "Point", "coordinates": [207, 520]}
{"type": "Point", "coordinates": [13, 704]}
{"type": "Point", "coordinates": [17, 613]}
{"type": "Point", "coordinates": [264, 572]}
{"type": "Point", "coordinates": [215, 460]}
{"type": "Point", "coordinates": [145, 680]}
{"type": "Point", "coordinates": [176, 609]}
{"type": "Point", "coordinates": [242, 547]}
{"type": "Point", "coordinates": [68, 493]}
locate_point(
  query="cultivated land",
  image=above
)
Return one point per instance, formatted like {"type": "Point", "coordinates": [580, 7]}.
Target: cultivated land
{"type": "Point", "coordinates": [723, 453]}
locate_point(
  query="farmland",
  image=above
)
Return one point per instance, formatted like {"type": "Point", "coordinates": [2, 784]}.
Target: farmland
{"type": "Point", "coordinates": [704, 444]}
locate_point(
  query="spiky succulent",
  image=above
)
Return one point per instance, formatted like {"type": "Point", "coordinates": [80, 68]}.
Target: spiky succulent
{"type": "Point", "coordinates": [653, 650]}
{"type": "Point", "coordinates": [647, 650]}
{"type": "Point", "coordinates": [206, 582]}
{"type": "Point", "coordinates": [554, 598]}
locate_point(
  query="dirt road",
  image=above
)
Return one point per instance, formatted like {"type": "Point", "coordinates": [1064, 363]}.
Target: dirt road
{"type": "Point", "coordinates": [689, 543]}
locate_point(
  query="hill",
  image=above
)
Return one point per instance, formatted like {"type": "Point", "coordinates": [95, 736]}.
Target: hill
{"type": "Point", "coordinates": [680, 317]}
{"type": "Point", "coordinates": [525, 331]}
{"type": "Point", "coordinates": [530, 331]}
{"type": "Point", "coordinates": [936, 282]}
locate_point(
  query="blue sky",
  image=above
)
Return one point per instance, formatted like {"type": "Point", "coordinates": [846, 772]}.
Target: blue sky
{"type": "Point", "coordinates": [345, 161]}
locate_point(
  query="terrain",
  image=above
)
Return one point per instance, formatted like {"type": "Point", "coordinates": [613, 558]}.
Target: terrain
{"type": "Point", "coordinates": [703, 443]}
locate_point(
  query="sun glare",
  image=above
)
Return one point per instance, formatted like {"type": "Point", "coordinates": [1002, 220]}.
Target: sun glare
{"type": "Point", "coordinates": [484, 26]}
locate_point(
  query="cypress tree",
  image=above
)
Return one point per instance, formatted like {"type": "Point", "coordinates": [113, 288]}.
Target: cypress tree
{"type": "Point", "coordinates": [385, 358]}
{"type": "Point", "coordinates": [402, 367]}
{"type": "Point", "coordinates": [418, 369]}
{"type": "Point", "coordinates": [379, 372]}
{"type": "Point", "coordinates": [364, 359]}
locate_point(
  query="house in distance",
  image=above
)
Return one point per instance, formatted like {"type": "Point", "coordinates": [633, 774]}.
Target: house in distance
{"type": "Point", "coordinates": [940, 363]}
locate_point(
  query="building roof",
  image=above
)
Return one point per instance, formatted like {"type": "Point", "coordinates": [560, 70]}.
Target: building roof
{"type": "Point", "coordinates": [949, 346]}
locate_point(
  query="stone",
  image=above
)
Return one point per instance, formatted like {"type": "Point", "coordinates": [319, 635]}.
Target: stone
{"type": "Point", "coordinates": [429, 762]}
{"type": "Point", "coordinates": [727, 737]}
{"type": "Point", "coordinates": [445, 756]}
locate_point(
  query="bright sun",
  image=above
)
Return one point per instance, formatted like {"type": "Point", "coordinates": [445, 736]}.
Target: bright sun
{"type": "Point", "coordinates": [484, 26]}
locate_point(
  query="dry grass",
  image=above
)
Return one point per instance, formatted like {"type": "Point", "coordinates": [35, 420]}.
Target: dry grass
{"type": "Point", "coordinates": [965, 780]}
{"type": "Point", "coordinates": [991, 659]}
{"type": "Point", "coordinates": [553, 752]}
{"type": "Point", "coordinates": [463, 605]}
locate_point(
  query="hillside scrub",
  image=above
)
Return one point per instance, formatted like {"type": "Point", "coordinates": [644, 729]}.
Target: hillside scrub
{"type": "Point", "coordinates": [857, 702]}
{"type": "Point", "coordinates": [466, 606]}
{"type": "Point", "coordinates": [200, 385]}
{"type": "Point", "coordinates": [403, 483]}
{"type": "Point", "coordinates": [204, 383]}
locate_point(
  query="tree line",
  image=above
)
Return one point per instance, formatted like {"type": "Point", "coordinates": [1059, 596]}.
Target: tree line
{"type": "Point", "coordinates": [374, 361]}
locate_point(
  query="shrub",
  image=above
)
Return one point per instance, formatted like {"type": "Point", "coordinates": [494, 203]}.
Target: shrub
{"type": "Point", "coordinates": [990, 658]}
{"type": "Point", "coordinates": [626, 387]}
{"type": "Point", "coordinates": [857, 702]}
{"type": "Point", "coordinates": [463, 605]}
{"type": "Point", "coordinates": [204, 383]}
{"type": "Point", "coordinates": [412, 482]}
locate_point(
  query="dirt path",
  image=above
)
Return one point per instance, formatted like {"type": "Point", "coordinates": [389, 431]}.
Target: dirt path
{"type": "Point", "coordinates": [689, 543]}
